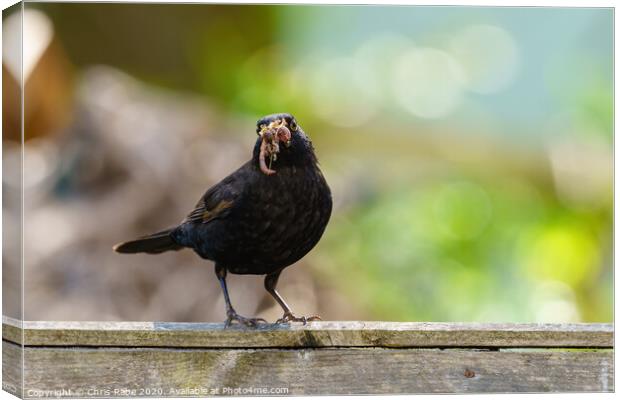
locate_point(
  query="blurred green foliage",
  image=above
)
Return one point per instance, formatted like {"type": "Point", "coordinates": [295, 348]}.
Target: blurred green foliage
{"type": "Point", "coordinates": [464, 249]}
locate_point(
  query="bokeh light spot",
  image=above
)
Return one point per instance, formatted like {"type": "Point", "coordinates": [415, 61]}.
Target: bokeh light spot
{"type": "Point", "coordinates": [375, 61]}
{"type": "Point", "coordinates": [554, 301]}
{"type": "Point", "coordinates": [561, 252]}
{"type": "Point", "coordinates": [37, 32]}
{"type": "Point", "coordinates": [336, 97]}
{"type": "Point", "coordinates": [427, 82]}
{"type": "Point", "coordinates": [488, 55]}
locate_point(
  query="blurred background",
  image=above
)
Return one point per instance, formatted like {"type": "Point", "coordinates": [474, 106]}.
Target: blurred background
{"type": "Point", "coordinates": [469, 151]}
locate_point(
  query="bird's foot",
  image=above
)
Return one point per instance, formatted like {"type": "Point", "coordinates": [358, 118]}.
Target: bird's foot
{"type": "Point", "coordinates": [250, 322]}
{"type": "Point", "coordinates": [290, 317]}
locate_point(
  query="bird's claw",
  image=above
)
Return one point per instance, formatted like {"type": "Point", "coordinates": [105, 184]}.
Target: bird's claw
{"type": "Point", "coordinates": [250, 322]}
{"type": "Point", "coordinates": [290, 317]}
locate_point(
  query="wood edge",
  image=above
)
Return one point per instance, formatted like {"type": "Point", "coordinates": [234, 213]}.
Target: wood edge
{"type": "Point", "coordinates": [317, 334]}
{"type": "Point", "coordinates": [316, 326]}
{"type": "Point", "coordinates": [12, 330]}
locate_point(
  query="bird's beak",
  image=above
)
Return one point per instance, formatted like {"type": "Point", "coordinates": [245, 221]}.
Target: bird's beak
{"type": "Point", "coordinates": [277, 131]}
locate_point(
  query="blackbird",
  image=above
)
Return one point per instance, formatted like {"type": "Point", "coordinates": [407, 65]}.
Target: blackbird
{"type": "Point", "coordinates": [258, 220]}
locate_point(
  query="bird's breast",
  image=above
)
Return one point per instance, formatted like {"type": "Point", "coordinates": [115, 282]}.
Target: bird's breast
{"type": "Point", "coordinates": [282, 218]}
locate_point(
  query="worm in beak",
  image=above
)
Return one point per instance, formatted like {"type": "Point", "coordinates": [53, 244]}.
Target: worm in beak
{"type": "Point", "coordinates": [284, 135]}
{"type": "Point", "coordinates": [261, 158]}
{"type": "Point", "coordinates": [271, 136]}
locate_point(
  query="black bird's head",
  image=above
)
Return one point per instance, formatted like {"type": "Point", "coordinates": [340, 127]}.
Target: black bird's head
{"type": "Point", "coordinates": [281, 142]}
{"type": "Point", "coordinates": [282, 119]}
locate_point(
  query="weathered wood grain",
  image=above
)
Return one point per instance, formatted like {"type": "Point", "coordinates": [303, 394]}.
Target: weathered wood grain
{"type": "Point", "coordinates": [315, 335]}
{"type": "Point", "coordinates": [12, 368]}
{"type": "Point", "coordinates": [120, 359]}
{"type": "Point", "coordinates": [99, 372]}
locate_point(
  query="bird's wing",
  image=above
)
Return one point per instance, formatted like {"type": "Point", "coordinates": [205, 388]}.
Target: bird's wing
{"type": "Point", "coordinates": [217, 202]}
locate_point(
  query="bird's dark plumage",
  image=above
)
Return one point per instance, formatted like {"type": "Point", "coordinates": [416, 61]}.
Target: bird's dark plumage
{"type": "Point", "coordinates": [260, 219]}
{"type": "Point", "coordinates": [152, 244]}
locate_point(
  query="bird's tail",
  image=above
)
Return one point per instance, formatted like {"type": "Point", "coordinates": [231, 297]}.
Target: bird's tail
{"type": "Point", "coordinates": [152, 244]}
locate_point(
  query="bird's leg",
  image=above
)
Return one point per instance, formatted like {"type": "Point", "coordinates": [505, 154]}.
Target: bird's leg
{"type": "Point", "coordinates": [231, 314]}
{"type": "Point", "coordinates": [271, 281]}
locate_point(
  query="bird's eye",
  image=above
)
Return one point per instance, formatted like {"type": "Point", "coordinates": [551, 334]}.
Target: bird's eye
{"type": "Point", "coordinates": [293, 125]}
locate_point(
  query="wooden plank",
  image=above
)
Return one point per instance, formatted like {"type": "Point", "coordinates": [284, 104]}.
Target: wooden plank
{"type": "Point", "coordinates": [12, 368]}
{"type": "Point", "coordinates": [102, 372]}
{"type": "Point", "coordinates": [315, 335]}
